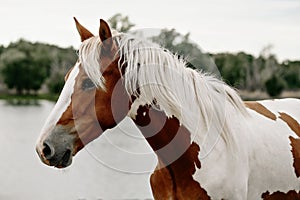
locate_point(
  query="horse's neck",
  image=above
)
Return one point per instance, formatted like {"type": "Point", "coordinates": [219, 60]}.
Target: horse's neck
{"type": "Point", "coordinates": [167, 138]}
{"type": "Point", "coordinates": [178, 156]}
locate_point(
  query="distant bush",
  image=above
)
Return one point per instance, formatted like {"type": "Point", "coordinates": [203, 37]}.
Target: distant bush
{"type": "Point", "coordinates": [275, 86]}
{"type": "Point", "coordinates": [55, 85]}
{"type": "Point", "coordinates": [292, 74]}
{"type": "Point", "coordinates": [22, 70]}
{"type": "Point", "coordinates": [27, 66]}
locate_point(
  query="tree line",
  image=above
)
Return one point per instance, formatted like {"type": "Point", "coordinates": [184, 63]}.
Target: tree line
{"type": "Point", "coordinates": [26, 67]}
{"type": "Point", "coordinates": [240, 70]}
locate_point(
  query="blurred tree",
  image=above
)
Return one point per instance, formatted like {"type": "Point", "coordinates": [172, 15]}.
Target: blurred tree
{"type": "Point", "coordinates": [247, 72]}
{"type": "Point", "coordinates": [55, 83]}
{"type": "Point", "coordinates": [228, 68]}
{"type": "Point", "coordinates": [268, 64]}
{"type": "Point", "coordinates": [291, 74]}
{"type": "Point", "coordinates": [169, 39]}
{"type": "Point", "coordinates": [185, 48]}
{"type": "Point", "coordinates": [13, 71]}
{"type": "Point", "coordinates": [20, 70]}
{"type": "Point", "coordinates": [62, 61]}
{"type": "Point", "coordinates": [236, 69]}
{"type": "Point", "coordinates": [26, 66]}
{"type": "Point", "coordinates": [120, 23]}
{"type": "Point", "coordinates": [1, 49]}
{"type": "Point", "coordinates": [275, 86]}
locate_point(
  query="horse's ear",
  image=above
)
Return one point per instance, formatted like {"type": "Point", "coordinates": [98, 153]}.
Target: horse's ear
{"type": "Point", "coordinates": [105, 34]}
{"type": "Point", "coordinates": [83, 32]}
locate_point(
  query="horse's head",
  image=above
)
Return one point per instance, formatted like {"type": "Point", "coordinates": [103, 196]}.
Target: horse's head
{"type": "Point", "coordinates": [92, 100]}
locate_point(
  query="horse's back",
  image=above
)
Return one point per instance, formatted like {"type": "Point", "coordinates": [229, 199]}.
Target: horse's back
{"type": "Point", "coordinates": [263, 163]}
{"type": "Point", "coordinates": [282, 116]}
{"type": "Point", "coordinates": [275, 148]}
{"type": "Point", "coordinates": [290, 106]}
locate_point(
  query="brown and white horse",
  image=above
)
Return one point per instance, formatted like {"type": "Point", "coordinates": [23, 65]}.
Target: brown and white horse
{"type": "Point", "coordinates": [209, 144]}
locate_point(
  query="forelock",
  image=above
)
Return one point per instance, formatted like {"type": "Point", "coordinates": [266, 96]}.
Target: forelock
{"type": "Point", "coordinates": [89, 57]}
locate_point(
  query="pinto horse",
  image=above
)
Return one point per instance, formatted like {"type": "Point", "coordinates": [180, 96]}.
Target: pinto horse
{"type": "Point", "coordinates": [209, 143]}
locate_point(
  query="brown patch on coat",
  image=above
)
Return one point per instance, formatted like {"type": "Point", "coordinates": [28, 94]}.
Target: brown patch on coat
{"type": "Point", "coordinates": [290, 195]}
{"type": "Point", "coordinates": [291, 122]}
{"type": "Point", "coordinates": [295, 143]}
{"type": "Point", "coordinates": [161, 182]}
{"type": "Point", "coordinates": [178, 156]}
{"type": "Point", "coordinates": [259, 108]}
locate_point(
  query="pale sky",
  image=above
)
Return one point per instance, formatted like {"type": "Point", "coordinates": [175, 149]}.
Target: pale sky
{"type": "Point", "coordinates": [215, 25]}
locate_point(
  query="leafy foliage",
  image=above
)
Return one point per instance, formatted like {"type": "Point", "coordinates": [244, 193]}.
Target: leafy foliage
{"type": "Point", "coordinates": [120, 23]}
{"type": "Point", "coordinates": [26, 66]}
{"type": "Point", "coordinates": [275, 86]}
{"type": "Point", "coordinates": [292, 74]}
{"type": "Point", "coordinates": [1, 49]}
{"type": "Point", "coordinates": [184, 47]}
{"type": "Point", "coordinates": [22, 68]}
{"type": "Point", "coordinates": [56, 84]}
{"type": "Point", "coordinates": [240, 70]}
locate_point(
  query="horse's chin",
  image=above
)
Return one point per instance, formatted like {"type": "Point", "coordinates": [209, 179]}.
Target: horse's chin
{"type": "Point", "coordinates": [62, 166]}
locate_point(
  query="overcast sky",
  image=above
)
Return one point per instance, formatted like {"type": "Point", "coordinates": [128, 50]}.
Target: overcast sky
{"type": "Point", "coordinates": [215, 25]}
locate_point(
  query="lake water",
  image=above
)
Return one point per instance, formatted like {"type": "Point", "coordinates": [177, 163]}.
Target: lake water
{"type": "Point", "coordinates": [115, 166]}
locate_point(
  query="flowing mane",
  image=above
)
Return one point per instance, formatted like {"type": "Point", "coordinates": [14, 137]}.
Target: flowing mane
{"type": "Point", "coordinates": [209, 144]}
{"type": "Point", "coordinates": [161, 79]}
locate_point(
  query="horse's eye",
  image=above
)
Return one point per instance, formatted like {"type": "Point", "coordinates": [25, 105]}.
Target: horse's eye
{"type": "Point", "coordinates": [87, 84]}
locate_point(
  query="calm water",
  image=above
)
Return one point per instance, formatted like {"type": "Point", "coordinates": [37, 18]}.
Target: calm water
{"type": "Point", "coordinates": [115, 166]}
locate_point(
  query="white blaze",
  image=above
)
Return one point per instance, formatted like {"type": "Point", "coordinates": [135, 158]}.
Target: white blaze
{"type": "Point", "coordinates": [62, 103]}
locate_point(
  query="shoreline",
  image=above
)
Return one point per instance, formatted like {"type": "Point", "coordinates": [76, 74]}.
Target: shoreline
{"type": "Point", "coordinates": [22, 100]}
{"type": "Point", "coordinates": [14, 99]}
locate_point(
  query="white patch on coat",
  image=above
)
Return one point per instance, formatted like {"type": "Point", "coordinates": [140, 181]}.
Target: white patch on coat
{"type": "Point", "coordinates": [289, 106]}
{"type": "Point", "coordinates": [62, 103]}
{"type": "Point", "coordinates": [264, 159]}
{"type": "Point", "coordinates": [132, 113]}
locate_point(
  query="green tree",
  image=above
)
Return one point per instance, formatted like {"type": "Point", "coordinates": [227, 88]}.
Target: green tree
{"type": "Point", "coordinates": [291, 74]}
{"type": "Point", "coordinates": [120, 23]}
{"type": "Point", "coordinates": [45, 64]}
{"type": "Point", "coordinates": [1, 49]}
{"type": "Point", "coordinates": [246, 72]}
{"type": "Point", "coordinates": [25, 74]}
{"type": "Point", "coordinates": [184, 47]}
{"type": "Point", "coordinates": [236, 69]}
{"type": "Point", "coordinates": [169, 39]}
{"type": "Point", "coordinates": [21, 69]}
{"type": "Point", "coordinates": [275, 86]}
{"type": "Point", "coordinates": [61, 61]}
{"type": "Point", "coordinates": [55, 83]}
{"type": "Point", "coordinates": [13, 73]}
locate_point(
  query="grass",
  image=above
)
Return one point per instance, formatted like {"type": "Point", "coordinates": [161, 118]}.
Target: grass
{"type": "Point", "coordinates": [260, 95]}
{"type": "Point", "coordinates": [14, 99]}
{"type": "Point", "coordinates": [28, 99]}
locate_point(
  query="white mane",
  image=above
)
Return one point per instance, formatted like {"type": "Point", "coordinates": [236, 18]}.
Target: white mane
{"type": "Point", "coordinates": [159, 78]}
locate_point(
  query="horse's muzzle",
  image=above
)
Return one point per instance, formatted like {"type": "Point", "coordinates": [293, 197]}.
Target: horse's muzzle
{"type": "Point", "coordinates": [57, 157]}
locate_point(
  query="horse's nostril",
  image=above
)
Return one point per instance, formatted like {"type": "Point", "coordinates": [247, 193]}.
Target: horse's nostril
{"type": "Point", "coordinates": [66, 158]}
{"type": "Point", "coordinates": [47, 151]}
